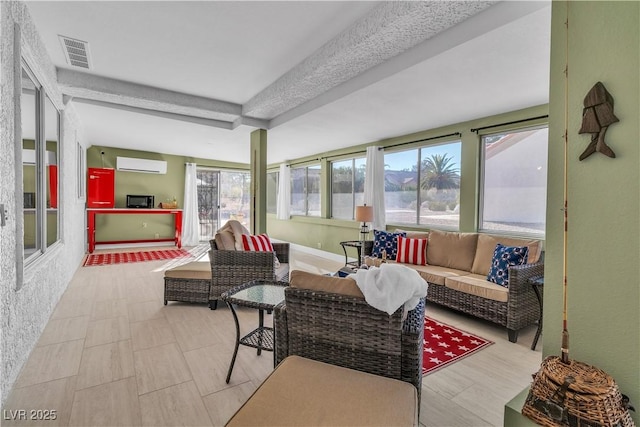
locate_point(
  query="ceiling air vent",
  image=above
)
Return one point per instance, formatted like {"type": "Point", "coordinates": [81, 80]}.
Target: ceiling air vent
{"type": "Point", "coordinates": [76, 52]}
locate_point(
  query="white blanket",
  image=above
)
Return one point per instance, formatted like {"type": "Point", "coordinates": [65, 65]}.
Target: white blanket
{"type": "Point", "coordinates": [391, 286]}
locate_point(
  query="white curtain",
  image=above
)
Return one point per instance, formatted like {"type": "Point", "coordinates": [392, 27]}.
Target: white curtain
{"type": "Point", "coordinates": [284, 192]}
{"type": "Point", "coordinates": [190, 227]}
{"type": "Point", "coordinates": [374, 186]}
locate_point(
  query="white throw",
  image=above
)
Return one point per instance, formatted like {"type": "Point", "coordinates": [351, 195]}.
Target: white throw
{"type": "Point", "coordinates": [391, 286]}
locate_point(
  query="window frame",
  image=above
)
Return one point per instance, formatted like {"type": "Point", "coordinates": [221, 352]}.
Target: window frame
{"type": "Point", "coordinates": [419, 197]}
{"type": "Point", "coordinates": [42, 97]}
{"type": "Point", "coordinates": [481, 182]}
{"type": "Point", "coordinates": [353, 161]}
{"type": "Point", "coordinates": [306, 190]}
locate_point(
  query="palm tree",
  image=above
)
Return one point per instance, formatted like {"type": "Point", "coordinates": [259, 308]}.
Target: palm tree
{"type": "Point", "coordinates": [438, 172]}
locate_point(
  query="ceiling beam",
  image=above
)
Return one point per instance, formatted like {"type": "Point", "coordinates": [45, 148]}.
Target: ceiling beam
{"type": "Point", "coordinates": [388, 30]}
{"type": "Point", "coordinates": [481, 23]}
{"type": "Point", "coordinates": [163, 114]}
{"type": "Point", "coordinates": [80, 85]}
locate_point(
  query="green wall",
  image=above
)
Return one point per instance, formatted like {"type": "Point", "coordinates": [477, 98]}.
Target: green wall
{"type": "Point", "coordinates": [163, 187]}
{"type": "Point", "coordinates": [326, 233]}
{"type": "Point", "coordinates": [603, 246]}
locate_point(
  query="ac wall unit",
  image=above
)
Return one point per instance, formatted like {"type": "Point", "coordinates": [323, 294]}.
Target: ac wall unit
{"type": "Point", "coordinates": [128, 164]}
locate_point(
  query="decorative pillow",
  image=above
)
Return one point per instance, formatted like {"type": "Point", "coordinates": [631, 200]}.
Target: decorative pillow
{"type": "Point", "coordinates": [384, 241]}
{"type": "Point", "coordinates": [412, 251]}
{"type": "Point", "coordinates": [503, 258]}
{"type": "Point", "coordinates": [260, 243]}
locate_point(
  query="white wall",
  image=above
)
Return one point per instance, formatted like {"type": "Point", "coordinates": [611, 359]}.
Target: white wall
{"type": "Point", "coordinates": [29, 296]}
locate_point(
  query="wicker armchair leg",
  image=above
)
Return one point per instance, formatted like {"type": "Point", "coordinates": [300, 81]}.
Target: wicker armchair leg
{"type": "Point", "coordinates": [513, 335]}
{"type": "Point", "coordinates": [213, 304]}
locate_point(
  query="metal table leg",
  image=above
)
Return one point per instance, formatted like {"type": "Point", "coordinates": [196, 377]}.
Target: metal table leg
{"type": "Point", "coordinates": [536, 289]}
{"type": "Point", "coordinates": [235, 351]}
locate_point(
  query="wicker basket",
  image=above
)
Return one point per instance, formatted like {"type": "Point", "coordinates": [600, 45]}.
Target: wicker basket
{"type": "Point", "coordinates": [575, 394]}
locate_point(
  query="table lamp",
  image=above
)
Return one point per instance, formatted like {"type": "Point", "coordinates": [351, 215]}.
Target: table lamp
{"type": "Point", "coordinates": [364, 214]}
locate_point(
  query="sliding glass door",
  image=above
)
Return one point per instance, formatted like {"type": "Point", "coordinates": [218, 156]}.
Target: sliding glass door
{"type": "Point", "coordinates": [222, 195]}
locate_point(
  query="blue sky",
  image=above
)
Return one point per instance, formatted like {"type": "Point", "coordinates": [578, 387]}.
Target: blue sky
{"type": "Point", "coordinates": [405, 159]}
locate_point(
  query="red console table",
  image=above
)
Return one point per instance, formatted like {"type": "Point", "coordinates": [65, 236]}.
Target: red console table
{"type": "Point", "coordinates": [91, 224]}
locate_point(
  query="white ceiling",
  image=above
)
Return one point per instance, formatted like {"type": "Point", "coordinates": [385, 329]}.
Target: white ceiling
{"type": "Point", "coordinates": [344, 91]}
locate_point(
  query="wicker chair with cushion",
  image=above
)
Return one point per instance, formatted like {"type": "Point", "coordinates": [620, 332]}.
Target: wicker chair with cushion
{"type": "Point", "coordinates": [337, 326]}
{"type": "Point", "coordinates": [231, 268]}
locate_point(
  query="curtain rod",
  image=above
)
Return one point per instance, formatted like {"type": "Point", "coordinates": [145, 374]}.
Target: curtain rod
{"type": "Point", "coordinates": [380, 148]}
{"type": "Point", "coordinates": [304, 161]}
{"type": "Point", "coordinates": [510, 123]}
{"type": "Point", "coordinates": [421, 140]}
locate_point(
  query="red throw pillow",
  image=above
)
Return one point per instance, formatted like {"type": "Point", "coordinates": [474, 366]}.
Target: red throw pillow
{"type": "Point", "coordinates": [412, 251]}
{"type": "Point", "coordinates": [260, 243]}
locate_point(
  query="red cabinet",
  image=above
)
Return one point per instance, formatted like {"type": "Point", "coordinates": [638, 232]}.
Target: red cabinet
{"type": "Point", "coordinates": [101, 188]}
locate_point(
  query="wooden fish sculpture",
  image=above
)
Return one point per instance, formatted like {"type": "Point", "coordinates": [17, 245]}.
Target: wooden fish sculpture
{"type": "Point", "coordinates": [597, 115]}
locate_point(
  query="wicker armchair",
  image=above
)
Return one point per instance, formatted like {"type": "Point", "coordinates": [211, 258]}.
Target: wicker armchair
{"type": "Point", "coordinates": [346, 331]}
{"type": "Point", "coordinates": [233, 268]}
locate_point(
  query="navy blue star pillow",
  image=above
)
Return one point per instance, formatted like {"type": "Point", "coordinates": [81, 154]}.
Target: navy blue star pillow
{"type": "Point", "coordinates": [386, 241]}
{"type": "Point", "coordinates": [503, 258]}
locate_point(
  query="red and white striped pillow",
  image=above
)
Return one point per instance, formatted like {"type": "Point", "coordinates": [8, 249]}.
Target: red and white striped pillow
{"type": "Point", "coordinates": [259, 243]}
{"type": "Point", "coordinates": [412, 251]}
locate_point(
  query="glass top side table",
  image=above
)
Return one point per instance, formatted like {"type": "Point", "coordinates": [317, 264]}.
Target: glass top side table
{"type": "Point", "coordinates": [261, 295]}
{"type": "Point", "coordinates": [362, 247]}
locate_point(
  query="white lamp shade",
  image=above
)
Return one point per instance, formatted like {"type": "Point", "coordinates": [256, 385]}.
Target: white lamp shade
{"type": "Point", "coordinates": [364, 213]}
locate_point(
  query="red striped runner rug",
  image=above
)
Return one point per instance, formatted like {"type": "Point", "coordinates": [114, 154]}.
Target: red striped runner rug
{"type": "Point", "coordinates": [444, 345]}
{"type": "Point", "coordinates": [126, 257]}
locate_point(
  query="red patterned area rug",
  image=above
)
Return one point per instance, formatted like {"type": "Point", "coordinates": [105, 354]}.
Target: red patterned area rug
{"type": "Point", "coordinates": [125, 257]}
{"type": "Point", "coordinates": [444, 345]}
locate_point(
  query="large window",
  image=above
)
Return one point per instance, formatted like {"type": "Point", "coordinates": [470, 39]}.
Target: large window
{"type": "Point", "coordinates": [305, 191]}
{"type": "Point", "coordinates": [347, 187]}
{"type": "Point", "coordinates": [40, 124]}
{"type": "Point", "coordinates": [514, 182]}
{"type": "Point", "coordinates": [422, 186]}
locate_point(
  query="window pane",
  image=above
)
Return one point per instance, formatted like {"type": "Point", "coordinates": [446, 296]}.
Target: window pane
{"type": "Point", "coordinates": [342, 189]}
{"type": "Point", "coordinates": [207, 203]}
{"type": "Point", "coordinates": [440, 185]}
{"type": "Point", "coordinates": [359, 180]}
{"type": "Point", "coordinates": [52, 132]}
{"type": "Point", "coordinates": [29, 107]}
{"type": "Point", "coordinates": [234, 197]}
{"type": "Point", "coordinates": [298, 178]}
{"type": "Point", "coordinates": [401, 186]}
{"type": "Point", "coordinates": [272, 192]}
{"type": "Point", "coordinates": [514, 189]}
{"type": "Point", "coordinates": [313, 190]}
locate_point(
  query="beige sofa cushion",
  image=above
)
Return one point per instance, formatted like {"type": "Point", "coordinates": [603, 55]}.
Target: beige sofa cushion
{"type": "Point", "coordinates": [318, 282]}
{"type": "Point", "coordinates": [436, 274]}
{"type": "Point", "coordinates": [487, 245]}
{"type": "Point", "coordinates": [450, 249]}
{"type": "Point", "coordinates": [414, 234]}
{"type": "Point", "coordinates": [192, 270]}
{"type": "Point", "coordinates": [305, 392]}
{"type": "Point", "coordinates": [476, 284]}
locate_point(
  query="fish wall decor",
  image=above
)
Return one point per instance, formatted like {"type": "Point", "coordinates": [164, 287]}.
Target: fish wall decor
{"type": "Point", "coordinates": [597, 115]}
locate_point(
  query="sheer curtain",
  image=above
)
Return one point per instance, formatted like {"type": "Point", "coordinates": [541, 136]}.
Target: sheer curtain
{"type": "Point", "coordinates": [284, 192]}
{"type": "Point", "coordinates": [190, 228]}
{"type": "Point", "coordinates": [374, 186]}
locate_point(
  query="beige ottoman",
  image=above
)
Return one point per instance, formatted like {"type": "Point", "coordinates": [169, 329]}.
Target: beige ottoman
{"type": "Point", "coordinates": [305, 392]}
{"type": "Point", "coordinates": [189, 282]}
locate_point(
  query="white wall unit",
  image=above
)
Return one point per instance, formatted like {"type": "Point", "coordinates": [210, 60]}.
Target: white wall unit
{"type": "Point", "coordinates": [129, 164]}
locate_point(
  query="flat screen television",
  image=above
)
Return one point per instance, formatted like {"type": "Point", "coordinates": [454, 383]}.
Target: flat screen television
{"type": "Point", "coordinates": [139, 201]}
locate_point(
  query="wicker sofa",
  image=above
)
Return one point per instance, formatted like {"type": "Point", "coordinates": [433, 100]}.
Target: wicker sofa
{"type": "Point", "coordinates": [457, 268]}
{"type": "Point", "coordinates": [231, 267]}
{"type": "Point", "coordinates": [326, 318]}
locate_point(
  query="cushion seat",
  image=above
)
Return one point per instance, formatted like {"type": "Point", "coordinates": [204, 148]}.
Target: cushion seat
{"type": "Point", "coordinates": [478, 285]}
{"type": "Point", "coordinates": [189, 282]}
{"type": "Point", "coordinates": [436, 274]}
{"type": "Point", "coordinates": [302, 392]}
